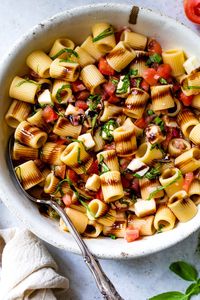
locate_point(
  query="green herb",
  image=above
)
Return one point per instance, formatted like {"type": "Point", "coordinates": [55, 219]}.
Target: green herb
{"type": "Point", "coordinates": [150, 112]}
{"type": "Point", "coordinates": [103, 34]}
{"type": "Point", "coordinates": [114, 81]}
{"type": "Point", "coordinates": [68, 50]}
{"type": "Point", "coordinates": [87, 208]}
{"type": "Point", "coordinates": [138, 81]}
{"type": "Point", "coordinates": [26, 80]}
{"type": "Point", "coordinates": [94, 121]}
{"type": "Point", "coordinates": [125, 85]}
{"type": "Point", "coordinates": [112, 236]}
{"type": "Point", "coordinates": [104, 167]}
{"type": "Point", "coordinates": [137, 176]}
{"type": "Point", "coordinates": [155, 58]}
{"type": "Point", "coordinates": [108, 129]}
{"type": "Point", "coordinates": [59, 91]}
{"type": "Point", "coordinates": [67, 60]}
{"type": "Point", "coordinates": [78, 157]}
{"type": "Point", "coordinates": [158, 121]}
{"type": "Point", "coordinates": [133, 72]}
{"type": "Point", "coordinates": [187, 272]}
{"type": "Point", "coordinates": [191, 87]}
{"type": "Point", "coordinates": [157, 146]}
{"type": "Point", "coordinates": [160, 227]}
{"type": "Point", "coordinates": [94, 100]}
{"type": "Point", "coordinates": [163, 80]}
{"type": "Point", "coordinates": [19, 176]}
{"type": "Point", "coordinates": [160, 188]}
{"type": "Point", "coordinates": [153, 173]}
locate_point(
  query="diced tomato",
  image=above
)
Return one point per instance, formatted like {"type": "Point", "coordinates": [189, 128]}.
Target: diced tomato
{"type": "Point", "coordinates": [105, 68]}
{"type": "Point", "coordinates": [135, 185]}
{"type": "Point", "coordinates": [187, 181]}
{"type": "Point", "coordinates": [125, 182]}
{"type": "Point", "coordinates": [141, 123]}
{"type": "Point", "coordinates": [131, 234]}
{"type": "Point", "coordinates": [113, 99]}
{"type": "Point", "coordinates": [150, 75]}
{"type": "Point", "coordinates": [192, 10]}
{"type": "Point", "coordinates": [154, 47]}
{"type": "Point", "coordinates": [144, 85]}
{"type": "Point", "coordinates": [49, 115]}
{"type": "Point", "coordinates": [67, 199]}
{"type": "Point", "coordinates": [109, 88]}
{"type": "Point", "coordinates": [83, 95]}
{"type": "Point", "coordinates": [164, 71]}
{"type": "Point", "coordinates": [60, 171]}
{"type": "Point", "coordinates": [71, 174]}
{"type": "Point", "coordinates": [93, 168]}
{"type": "Point", "coordinates": [186, 100]}
{"type": "Point", "coordinates": [81, 104]}
{"type": "Point", "coordinates": [99, 195]}
{"type": "Point", "coordinates": [77, 86]}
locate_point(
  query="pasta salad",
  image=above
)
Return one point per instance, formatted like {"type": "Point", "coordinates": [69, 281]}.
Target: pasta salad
{"type": "Point", "coordinates": [110, 130]}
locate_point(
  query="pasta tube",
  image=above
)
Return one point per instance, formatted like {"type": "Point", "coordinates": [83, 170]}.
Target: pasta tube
{"type": "Point", "coordinates": [96, 209]}
{"type": "Point", "coordinates": [61, 91]}
{"type": "Point", "coordinates": [117, 229]}
{"type": "Point", "coordinates": [135, 103]}
{"type": "Point", "coordinates": [164, 219]}
{"type": "Point", "coordinates": [172, 180]}
{"type": "Point", "coordinates": [134, 40]}
{"type": "Point", "coordinates": [177, 146]}
{"type": "Point", "coordinates": [145, 208]}
{"type": "Point", "coordinates": [17, 112]}
{"type": "Point", "coordinates": [188, 161]}
{"type": "Point", "coordinates": [111, 186]}
{"type": "Point", "coordinates": [145, 224]}
{"type": "Point", "coordinates": [21, 152]}
{"type": "Point", "coordinates": [92, 78]}
{"type": "Point", "coordinates": [40, 63]}
{"type": "Point", "coordinates": [108, 219]}
{"type": "Point", "coordinates": [175, 58]}
{"type": "Point", "coordinates": [194, 191]}
{"type": "Point", "coordinates": [187, 120]}
{"type": "Point", "coordinates": [63, 127]}
{"type": "Point", "coordinates": [91, 48]}
{"type": "Point", "coordinates": [148, 186]}
{"type": "Point", "coordinates": [109, 158]}
{"type": "Point", "coordinates": [79, 220]}
{"type": "Point", "coordinates": [93, 229]}
{"type": "Point", "coordinates": [147, 153]}
{"type": "Point", "coordinates": [64, 70]}
{"type": "Point", "coordinates": [51, 152]}
{"type": "Point", "coordinates": [103, 37]}
{"type": "Point", "coordinates": [194, 134]}
{"type": "Point", "coordinates": [59, 47]}
{"type": "Point", "coordinates": [51, 183]}
{"type": "Point", "coordinates": [161, 97]}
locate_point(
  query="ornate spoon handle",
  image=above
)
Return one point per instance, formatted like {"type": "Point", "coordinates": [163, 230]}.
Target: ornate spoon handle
{"type": "Point", "coordinates": [105, 286]}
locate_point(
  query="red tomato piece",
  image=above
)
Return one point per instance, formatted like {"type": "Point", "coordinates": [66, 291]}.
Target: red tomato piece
{"type": "Point", "coordinates": [144, 85]}
{"type": "Point", "coordinates": [93, 168]}
{"type": "Point", "coordinates": [83, 95]}
{"type": "Point", "coordinates": [187, 181]}
{"type": "Point", "coordinates": [77, 86]}
{"type": "Point", "coordinates": [186, 100]}
{"type": "Point", "coordinates": [125, 182]}
{"type": "Point", "coordinates": [131, 234]}
{"type": "Point", "coordinates": [113, 99]}
{"type": "Point", "coordinates": [67, 199]}
{"type": "Point", "coordinates": [105, 68]}
{"type": "Point", "coordinates": [99, 195]}
{"type": "Point", "coordinates": [71, 174]}
{"type": "Point", "coordinates": [154, 47]}
{"type": "Point", "coordinates": [192, 10]}
{"type": "Point", "coordinates": [109, 88]}
{"type": "Point", "coordinates": [49, 115]}
{"type": "Point", "coordinates": [151, 76]}
{"type": "Point", "coordinates": [81, 104]}
{"type": "Point", "coordinates": [164, 71]}
{"type": "Point", "coordinates": [141, 123]}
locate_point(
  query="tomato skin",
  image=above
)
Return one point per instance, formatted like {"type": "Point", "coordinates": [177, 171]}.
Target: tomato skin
{"type": "Point", "coordinates": [154, 47]}
{"type": "Point", "coordinates": [141, 123]}
{"type": "Point", "coordinates": [186, 100]}
{"type": "Point", "coordinates": [187, 181]}
{"type": "Point", "coordinates": [93, 168]}
{"type": "Point", "coordinates": [131, 234]}
{"type": "Point", "coordinates": [77, 86]}
{"type": "Point", "coordinates": [164, 71]}
{"type": "Point", "coordinates": [71, 174]}
{"type": "Point", "coordinates": [150, 76]}
{"type": "Point", "coordinates": [99, 195]}
{"type": "Point", "coordinates": [113, 99]}
{"type": "Point", "coordinates": [192, 10]}
{"type": "Point", "coordinates": [109, 88]}
{"type": "Point", "coordinates": [49, 115]}
{"type": "Point", "coordinates": [105, 68]}
{"type": "Point", "coordinates": [81, 104]}
{"type": "Point", "coordinates": [144, 85]}
{"type": "Point", "coordinates": [67, 200]}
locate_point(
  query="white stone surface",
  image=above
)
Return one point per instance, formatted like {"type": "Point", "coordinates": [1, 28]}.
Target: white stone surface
{"type": "Point", "coordinates": [135, 279]}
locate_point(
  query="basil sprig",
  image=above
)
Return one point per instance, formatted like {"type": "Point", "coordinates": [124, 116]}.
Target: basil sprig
{"type": "Point", "coordinates": [103, 34]}
{"type": "Point", "coordinates": [187, 272]}
{"type": "Point", "coordinates": [64, 50]}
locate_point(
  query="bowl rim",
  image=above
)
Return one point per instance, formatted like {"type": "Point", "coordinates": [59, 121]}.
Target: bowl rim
{"type": "Point", "coordinates": [5, 199]}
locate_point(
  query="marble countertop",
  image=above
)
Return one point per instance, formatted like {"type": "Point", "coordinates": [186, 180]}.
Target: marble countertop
{"type": "Point", "coordinates": [135, 279]}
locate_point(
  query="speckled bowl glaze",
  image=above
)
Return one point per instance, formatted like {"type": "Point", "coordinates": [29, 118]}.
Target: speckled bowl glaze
{"type": "Point", "coordinates": [76, 24]}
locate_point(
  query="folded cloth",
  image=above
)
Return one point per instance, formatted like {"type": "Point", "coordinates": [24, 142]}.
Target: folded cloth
{"type": "Point", "coordinates": [28, 271]}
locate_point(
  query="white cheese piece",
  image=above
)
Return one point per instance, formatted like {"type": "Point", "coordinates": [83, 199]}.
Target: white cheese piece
{"type": "Point", "coordinates": [45, 98]}
{"type": "Point", "coordinates": [145, 207]}
{"type": "Point", "coordinates": [138, 167]}
{"type": "Point", "coordinates": [72, 110]}
{"type": "Point", "coordinates": [119, 86]}
{"type": "Point", "coordinates": [87, 140]}
{"type": "Point", "coordinates": [191, 64]}
{"type": "Point", "coordinates": [93, 183]}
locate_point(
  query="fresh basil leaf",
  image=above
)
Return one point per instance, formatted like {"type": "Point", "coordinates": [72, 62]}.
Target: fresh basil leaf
{"type": "Point", "coordinates": [68, 50]}
{"type": "Point", "coordinates": [184, 270]}
{"type": "Point", "coordinates": [163, 80]}
{"type": "Point", "coordinates": [155, 58]}
{"type": "Point", "coordinates": [133, 72]}
{"type": "Point", "coordinates": [193, 289]}
{"type": "Point", "coordinates": [158, 121]}
{"type": "Point", "coordinates": [153, 173]}
{"type": "Point", "coordinates": [160, 227]}
{"type": "Point", "coordinates": [138, 81]}
{"type": "Point", "coordinates": [112, 236]}
{"type": "Point", "coordinates": [107, 130]}
{"type": "Point", "coordinates": [27, 80]}
{"type": "Point", "coordinates": [137, 176]}
{"type": "Point", "coordinates": [103, 34]}
{"type": "Point", "coordinates": [59, 91]}
{"type": "Point", "coordinates": [169, 296]}
{"type": "Point", "coordinates": [94, 100]}
{"type": "Point", "coordinates": [125, 85]}
{"type": "Point", "coordinates": [191, 87]}
{"type": "Point", "coordinates": [104, 167]}
{"type": "Point", "coordinates": [150, 112]}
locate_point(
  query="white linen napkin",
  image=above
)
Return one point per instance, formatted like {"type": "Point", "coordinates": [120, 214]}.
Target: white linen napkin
{"type": "Point", "coordinates": [28, 271]}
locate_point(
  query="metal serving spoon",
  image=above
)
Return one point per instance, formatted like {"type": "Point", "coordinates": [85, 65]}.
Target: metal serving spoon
{"type": "Point", "coordinates": [105, 286]}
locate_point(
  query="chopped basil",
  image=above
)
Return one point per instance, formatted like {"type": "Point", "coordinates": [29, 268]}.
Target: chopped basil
{"type": "Point", "coordinates": [125, 85]}
{"type": "Point", "coordinates": [133, 72]}
{"type": "Point", "coordinates": [107, 130]}
{"type": "Point", "coordinates": [94, 121]}
{"type": "Point", "coordinates": [104, 167]}
{"type": "Point", "coordinates": [112, 236]}
{"type": "Point", "coordinates": [150, 112]}
{"type": "Point", "coordinates": [78, 156]}
{"type": "Point", "coordinates": [68, 50]}
{"type": "Point", "coordinates": [163, 80]}
{"type": "Point", "coordinates": [153, 173]}
{"type": "Point", "coordinates": [138, 81]}
{"type": "Point", "coordinates": [26, 80]}
{"type": "Point", "coordinates": [67, 60]}
{"type": "Point", "coordinates": [114, 81]}
{"type": "Point", "coordinates": [160, 227]}
{"type": "Point", "coordinates": [157, 146]}
{"type": "Point", "coordinates": [192, 87]}
{"type": "Point", "coordinates": [158, 121]}
{"type": "Point", "coordinates": [137, 176]}
{"type": "Point", "coordinates": [160, 188]}
{"type": "Point", "coordinates": [103, 34]}
{"type": "Point", "coordinates": [58, 93]}
{"type": "Point", "coordinates": [155, 58]}
{"type": "Point", "coordinates": [87, 208]}
{"type": "Point", "coordinates": [94, 100]}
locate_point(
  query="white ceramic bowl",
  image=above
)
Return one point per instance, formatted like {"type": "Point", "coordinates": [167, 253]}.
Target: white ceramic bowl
{"type": "Point", "coordinates": [76, 24]}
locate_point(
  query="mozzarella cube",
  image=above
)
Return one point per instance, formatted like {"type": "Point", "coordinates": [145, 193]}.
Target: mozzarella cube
{"type": "Point", "coordinates": [191, 64]}
{"type": "Point", "coordinates": [93, 183]}
{"type": "Point", "coordinates": [87, 140]}
{"type": "Point", "coordinates": [138, 167]}
{"type": "Point", "coordinates": [45, 98]}
{"type": "Point", "coordinates": [145, 207]}
{"type": "Point", "coordinates": [72, 110]}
